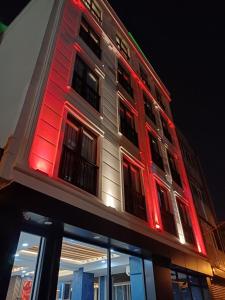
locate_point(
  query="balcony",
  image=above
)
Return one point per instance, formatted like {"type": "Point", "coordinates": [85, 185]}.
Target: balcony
{"type": "Point", "coordinates": [78, 171]}
{"type": "Point", "coordinates": [135, 203]}
{"type": "Point", "coordinates": [125, 84]}
{"type": "Point", "coordinates": [168, 222]}
{"type": "Point", "coordinates": [88, 93]}
{"type": "Point", "coordinates": [128, 131]}
{"type": "Point", "coordinates": [86, 37]}
{"type": "Point", "coordinates": [188, 234]}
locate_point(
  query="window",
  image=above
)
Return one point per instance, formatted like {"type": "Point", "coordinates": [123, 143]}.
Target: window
{"type": "Point", "coordinates": [89, 36]}
{"type": "Point", "coordinates": [83, 271]}
{"type": "Point", "coordinates": [166, 130]}
{"type": "Point", "coordinates": [144, 78]}
{"type": "Point", "coordinates": [85, 268]}
{"type": "Point", "coordinates": [122, 46]}
{"type": "Point", "coordinates": [186, 223]}
{"type": "Point", "coordinates": [173, 170]}
{"type": "Point", "coordinates": [134, 200]}
{"type": "Point", "coordinates": [159, 98]}
{"type": "Point", "coordinates": [166, 214]}
{"type": "Point", "coordinates": [156, 155]}
{"type": "Point", "coordinates": [127, 277]}
{"type": "Point", "coordinates": [86, 83]}
{"type": "Point", "coordinates": [124, 79]}
{"type": "Point", "coordinates": [94, 8]}
{"type": "Point", "coordinates": [149, 109]}
{"type": "Point", "coordinates": [78, 159]}
{"type": "Point", "coordinates": [127, 124]}
{"type": "Point", "coordinates": [189, 286]}
{"type": "Point", "coordinates": [24, 277]}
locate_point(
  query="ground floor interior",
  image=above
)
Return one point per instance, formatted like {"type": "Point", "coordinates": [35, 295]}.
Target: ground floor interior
{"type": "Point", "coordinates": [44, 257]}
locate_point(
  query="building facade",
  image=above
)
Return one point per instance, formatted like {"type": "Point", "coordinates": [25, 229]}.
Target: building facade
{"type": "Point", "coordinates": [211, 229]}
{"type": "Point", "coordinates": [95, 199]}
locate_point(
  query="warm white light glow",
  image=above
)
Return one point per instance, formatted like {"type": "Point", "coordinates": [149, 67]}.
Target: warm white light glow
{"type": "Point", "coordinates": [110, 201]}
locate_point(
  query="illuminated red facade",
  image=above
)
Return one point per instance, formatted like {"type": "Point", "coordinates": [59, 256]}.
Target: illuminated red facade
{"type": "Point", "coordinates": [100, 144]}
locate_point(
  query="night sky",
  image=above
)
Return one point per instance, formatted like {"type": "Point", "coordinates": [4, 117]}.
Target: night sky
{"type": "Point", "coordinates": [185, 43]}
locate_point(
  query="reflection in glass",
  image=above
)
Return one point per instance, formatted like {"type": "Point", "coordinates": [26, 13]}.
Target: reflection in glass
{"type": "Point", "coordinates": [127, 277]}
{"type": "Point", "coordinates": [23, 272]}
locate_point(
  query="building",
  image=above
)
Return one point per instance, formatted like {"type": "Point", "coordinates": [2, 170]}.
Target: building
{"type": "Point", "coordinates": [213, 232]}
{"type": "Point", "coordinates": [95, 199]}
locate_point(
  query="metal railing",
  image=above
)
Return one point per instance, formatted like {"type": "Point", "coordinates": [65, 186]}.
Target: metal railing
{"type": "Point", "coordinates": [78, 171]}
{"type": "Point", "coordinates": [135, 203]}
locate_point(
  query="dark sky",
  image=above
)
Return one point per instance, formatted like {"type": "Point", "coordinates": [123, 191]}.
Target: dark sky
{"type": "Point", "coordinates": [185, 43]}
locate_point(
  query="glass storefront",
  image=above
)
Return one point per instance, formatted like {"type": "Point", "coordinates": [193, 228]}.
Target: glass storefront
{"type": "Point", "coordinates": [189, 287]}
{"type": "Point", "coordinates": [89, 267]}
{"type": "Point", "coordinates": [24, 272]}
{"type": "Point", "coordinates": [84, 271]}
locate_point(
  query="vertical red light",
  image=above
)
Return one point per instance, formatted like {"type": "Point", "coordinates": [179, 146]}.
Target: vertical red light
{"type": "Point", "coordinates": [46, 138]}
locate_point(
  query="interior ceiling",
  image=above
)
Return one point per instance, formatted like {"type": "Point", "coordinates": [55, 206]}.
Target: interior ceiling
{"type": "Point", "coordinates": [79, 254]}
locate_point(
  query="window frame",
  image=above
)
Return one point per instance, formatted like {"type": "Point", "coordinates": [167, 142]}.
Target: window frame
{"type": "Point", "coordinates": [156, 156]}
{"type": "Point", "coordinates": [90, 32]}
{"type": "Point", "coordinates": [124, 79]}
{"type": "Point", "coordinates": [126, 161]}
{"type": "Point", "coordinates": [89, 4]}
{"type": "Point", "coordinates": [127, 123]}
{"type": "Point", "coordinates": [149, 109]}
{"type": "Point", "coordinates": [78, 152]}
{"type": "Point", "coordinates": [122, 46]}
{"type": "Point", "coordinates": [81, 81]}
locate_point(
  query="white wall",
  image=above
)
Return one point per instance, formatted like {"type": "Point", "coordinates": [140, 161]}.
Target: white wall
{"type": "Point", "coordinates": [18, 55]}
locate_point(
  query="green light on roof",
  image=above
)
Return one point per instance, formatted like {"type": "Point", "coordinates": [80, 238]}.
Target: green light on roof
{"type": "Point", "coordinates": [3, 27]}
{"type": "Point", "coordinates": [136, 43]}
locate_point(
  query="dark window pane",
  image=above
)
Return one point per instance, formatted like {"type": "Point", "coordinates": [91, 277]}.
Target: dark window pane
{"type": "Point", "coordinates": [89, 36]}
{"type": "Point", "coordinates": [78, 162]}
{"type": "Point", "coordinates": [134, 200]}
{"type": "Point", "coordinates": [127, 124]}
{"type": "Point", "coordinates": [86, 83]}
{"type": "Point", "coordinates": [156, 155]}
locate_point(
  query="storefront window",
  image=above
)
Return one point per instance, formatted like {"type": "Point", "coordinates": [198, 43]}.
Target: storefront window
{"type": "Point", "coordinates": [83, 271]}
{"type": "Point", "coordinates": [22, 283]}
{"type": "Point", "coordinates": [127, 277]}
{"type": "Point", "coordinates": [189, 287]}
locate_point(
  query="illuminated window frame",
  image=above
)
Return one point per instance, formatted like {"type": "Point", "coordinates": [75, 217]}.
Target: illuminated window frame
{"type": "Point", "coordinates": [122, 46]}
{"type": "Point", "coordinates": [94, 8]}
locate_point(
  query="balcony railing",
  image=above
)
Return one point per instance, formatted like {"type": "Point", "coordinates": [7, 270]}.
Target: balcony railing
{"type": "Point", "coordinates": [135, 203]}
{"type": "Point", "coordinates": [188, 234]}
{"type": "Point", "coordinates": [157, 159]}
{"type": "Point", "coordinates": [78, 171]}
{"type": "Point", "coordinates": [90, 42]}
{"type": "Point", "coordinates": [168, 222]}
{"type": "Point", "coordinates": [128, 131]}
{"type": "Point", "coordinates": [88, 93]}
{"type": "Point", "coordinates": [125, 84]}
